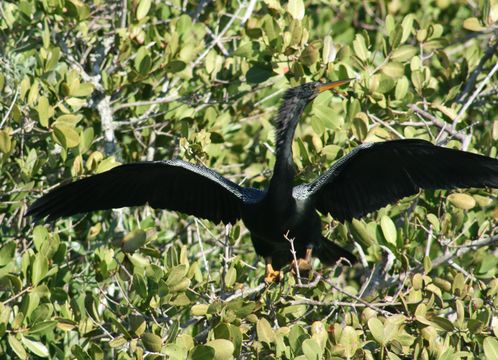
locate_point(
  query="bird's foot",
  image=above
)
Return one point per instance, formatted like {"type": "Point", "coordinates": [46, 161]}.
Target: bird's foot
{"type": "Point", "coordinates": [271, 275]}
{"type": "Point", "coordinates": [302, 266]}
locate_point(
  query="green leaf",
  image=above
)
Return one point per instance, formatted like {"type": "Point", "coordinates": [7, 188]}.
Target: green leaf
{"type": "Point", "coordinates": [54, 55]}
{"type": "Point", "coordinates": [17, 347]}
{"type": "Point", "coordinates": [377, 329]}
{"type": "Point", "coordinates": [83, 90]}
{"type": "Point", "coordinates": [230, 277]}
{"type": "Point", "coordinates": [360, 233]}
{"type": "Point", "coordinates": [350, 340]}
{"type": "Point", "coordinates": [44, 111]}
{"type": "Point", "coordinates": [40, 235]}
{"type": "Point", "coordinates": [137, 324]}
{"type": "Point", "coordinates": [331, 151]}
{"type": "Point", "coordinates": [133, 241]}
{"type": "Point", "coordinates": [427, 262]}
{"type": "Point", "coordinates": [407, 26]}
{"type": "Point", "coordinates": [388, 229]}
{"type": "Point", "coordinates": [203, 352]}
{"type": "Point", "coordinates": [199, 309]}
{"type": "Point", "coordinates": [152, 342]}
{"type": "Point", "coordinates": [404, 53]}
{"type": "Point", "coordinates": [401, 88]}
{"type": "Point", "coordinates": [42, 327]}
{"type": "Point", "coordinates": [7, 252]}
{"type": "Point", "coordinates": [490, 345]}
{"type": "Point", "coordinates": [175, 66]}
{"type": "Point", "coordinates": [264, 331]}
{"type": "Point", "coordinates": [394, 70]}
{"type": "Point", "coordinates": [434, 222]}
{"type": "Point", "coordinates": [175, 352]}
{"type": "Point", "coordinates": [310, 55]}
{"type": "Point", "coordinates": [143, 8]}
{"type": "Point", "coordinates": [296, 9]}
{"type": "Point", "coordinates": [33, 93]}
{"type": "Point", "coordinates": [223, 349]}
{"type": "Point", "coordinates": [312, 350]}
{"type": "Point", "coordinates": [86, 139]}
{"type": "Point", "coordinates": [5, 142]}
{"type": "Point", "coordinates": [107, 164]}
{"type": "Point", "coordinates": [417, 80]}
{"type": "Point", "coordinates": [39, 269]}
{"type": "Point", "coordinates": [360, 48]}
{"type": "Point", "coordinates": [473, 24]}
{"type": "Point", "coordinates": [65, 135]}
{"type": "Point", "coordinates": [462, 201]}
{"type": "Point", "coordinates": [176, 275]}
{"type": "Point", "coordinates": [35, 347]}
{"type": "Point", "coordinates": [258, 74]}
{"type": "Point", "coordinates": [117, 342]}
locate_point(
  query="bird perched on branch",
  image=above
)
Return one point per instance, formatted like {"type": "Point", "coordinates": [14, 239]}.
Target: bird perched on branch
{"type": "Point", "coordinates": [368, 178]}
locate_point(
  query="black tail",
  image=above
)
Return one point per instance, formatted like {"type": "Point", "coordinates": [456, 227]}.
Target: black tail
{"type": "Point", "coordinates": [328, 253]}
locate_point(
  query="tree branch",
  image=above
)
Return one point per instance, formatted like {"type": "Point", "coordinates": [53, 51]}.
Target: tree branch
{"type": "Point", "coordinates": [439, 123]}
{"type": "Point", "coordinates": [462, 250]}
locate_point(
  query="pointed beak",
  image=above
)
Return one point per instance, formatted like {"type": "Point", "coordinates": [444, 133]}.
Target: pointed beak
{"type": "Point", "coordinates": [333, 84]}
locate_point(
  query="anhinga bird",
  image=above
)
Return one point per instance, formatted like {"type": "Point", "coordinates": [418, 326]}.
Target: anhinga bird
{"type": "Point", "coordinates": [368, 178]}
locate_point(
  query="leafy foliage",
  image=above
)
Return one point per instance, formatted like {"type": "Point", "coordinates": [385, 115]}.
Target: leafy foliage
{"type": "Point", "coordinates": [86, 85]}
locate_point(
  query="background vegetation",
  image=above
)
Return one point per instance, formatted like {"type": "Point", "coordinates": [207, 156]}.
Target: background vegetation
{"type": "Point", "coordinates": [86, 85]}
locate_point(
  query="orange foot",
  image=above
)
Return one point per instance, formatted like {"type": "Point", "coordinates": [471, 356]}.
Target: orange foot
{"type": "Point", "coordinates": [303, 265]}
{"type": "Point", "coordinates": [271, 274]}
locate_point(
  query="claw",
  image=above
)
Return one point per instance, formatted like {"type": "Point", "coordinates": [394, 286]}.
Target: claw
{"type": "Point", "coordinates": [304, 265]}
{"type": "Point", "coordinates": [271, 274]}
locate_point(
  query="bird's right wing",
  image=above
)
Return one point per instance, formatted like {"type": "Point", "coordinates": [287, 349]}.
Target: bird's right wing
{"type": "Point", "coordinates": [374, 175]}
{"type": "Point", "coordinates": [173, 185]}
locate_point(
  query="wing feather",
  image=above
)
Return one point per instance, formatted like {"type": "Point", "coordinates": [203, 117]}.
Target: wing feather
{"type": "Point", "coordinates": [173, 185]}
{"type": "Point", "coordinates": [376, 174]}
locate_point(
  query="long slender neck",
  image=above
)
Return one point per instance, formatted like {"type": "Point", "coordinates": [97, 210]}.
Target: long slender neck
{"type": "Point", "coordinates": [281, 183]}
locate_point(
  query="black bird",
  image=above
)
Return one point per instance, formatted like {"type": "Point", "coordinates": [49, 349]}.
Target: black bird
{"type": "Point", "coordinates": [368, 178]}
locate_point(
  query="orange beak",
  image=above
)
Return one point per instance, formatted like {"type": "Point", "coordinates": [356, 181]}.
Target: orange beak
{"type": "Point", "coordinates": [333, 84]}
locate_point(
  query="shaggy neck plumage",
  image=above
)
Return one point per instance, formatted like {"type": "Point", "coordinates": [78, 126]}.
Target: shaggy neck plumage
{"type": "Point", "coordinates": [288, 116]}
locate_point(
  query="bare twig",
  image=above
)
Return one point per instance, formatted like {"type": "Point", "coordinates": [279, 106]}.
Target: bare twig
{"type": "Point", "coordinates": [218, 42]}
{"type": "Point", "coordinates": [383, 123]}
{"type": "Point", "coordinates": [439, 123]}
{"type": "Point", "coordinates": [342, 303]}
{"type": "Point", "coordinates": [367, 304]}
{"type": "Point", "coordinates": [474, 95]}
{"type": "Point", "coordinates": [429, 242]}
{"type": "Point", "coordinates": [199, 9]}
{"type": "Point", "coordinates": [6, 116]}
{"type": "Point", "coordinates": [226, 258]}
{"type": "Point", "coordinates": [104, 109]}
{"type": "Point", "coordinates": [492, 49]}
{"type": "Point", "coordinates": [246, 292]}
{"type": "Point", "coordinates": [249, 10]}
{"type": "Point", "coordinates": [312, 284]}
{"type": "Point", "coordinates": [29, 288]}
{"type": "Point", "coordinates": [124, 12]}
{"type": "Point", "coordinates": [204, 259]}
{"type": "Point", "coordinates": [293, 252]}
{"type": "Point", "coordinates": [462, 250]}
{"type": "Point", "coordinates": [363, 257]}
{"type": "Point", "coordinates": [380, 275]}
{"type": "Point", "coordinates": [216, 39]}
{"type": "Point", "coordinates": [162, 100]}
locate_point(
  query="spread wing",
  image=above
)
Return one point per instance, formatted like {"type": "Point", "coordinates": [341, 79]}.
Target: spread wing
{"type": "Point", "coordinates": [173, 185]}
{"type": "Point", "coordinates": [376, 174]}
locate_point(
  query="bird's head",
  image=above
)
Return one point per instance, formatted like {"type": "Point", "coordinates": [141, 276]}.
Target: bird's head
{"type": "Point", "coordinates": [308, 91]}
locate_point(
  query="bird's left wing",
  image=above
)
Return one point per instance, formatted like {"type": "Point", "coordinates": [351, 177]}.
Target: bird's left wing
{"type": "Point", "coordinates": [376, 174]}
{"type": "Point", "coordinates": [173, 185]}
